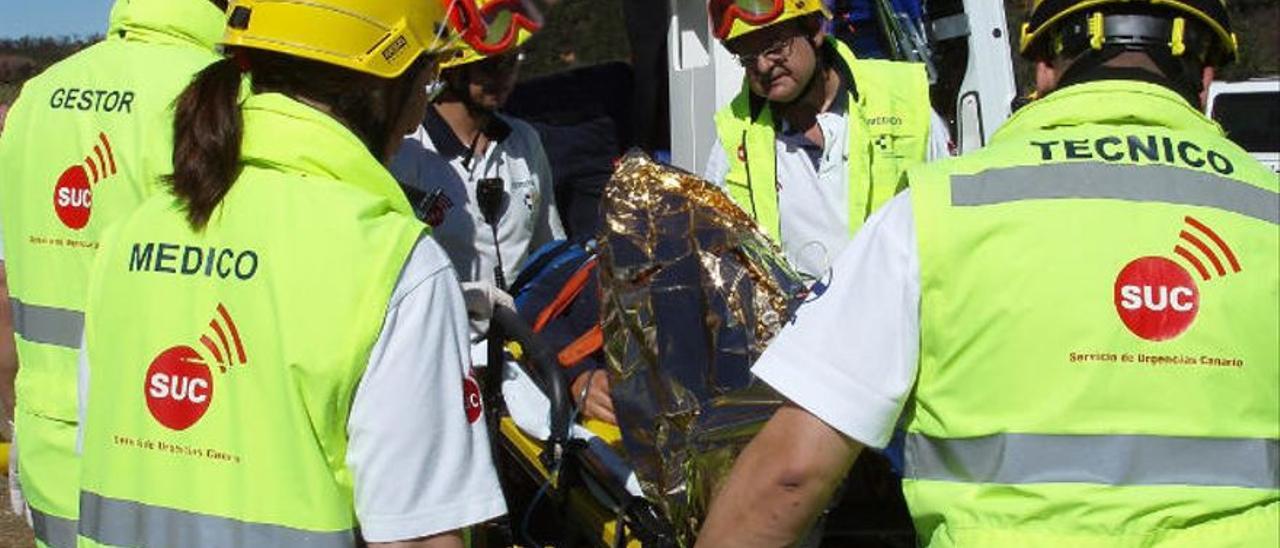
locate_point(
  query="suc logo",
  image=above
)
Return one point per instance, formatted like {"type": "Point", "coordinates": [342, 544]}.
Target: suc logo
{"type": "Point", "coordinates": [73, 193]}
{"type": "Point", "coordinates": [472, 402]}
{"type": "Point", "coordinates": [179, 387]}
{"type": "Point", "coordinates": [179, 383]}
{"type": "Point", "coordinates": [1156, 298]}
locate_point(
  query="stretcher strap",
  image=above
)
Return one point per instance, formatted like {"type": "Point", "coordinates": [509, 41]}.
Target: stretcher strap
{"type": "Point", "coordinates": [582, 347]}
{"type": "Point", "coordinates": [567, 294]}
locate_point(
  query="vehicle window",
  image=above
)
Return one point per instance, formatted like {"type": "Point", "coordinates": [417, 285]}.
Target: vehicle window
{"type": "Point", "coordinates": [1252, 120]}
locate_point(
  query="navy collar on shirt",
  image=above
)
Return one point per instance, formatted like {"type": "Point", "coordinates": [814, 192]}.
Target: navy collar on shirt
{"type": "Point", "coordinates": [447, 143]}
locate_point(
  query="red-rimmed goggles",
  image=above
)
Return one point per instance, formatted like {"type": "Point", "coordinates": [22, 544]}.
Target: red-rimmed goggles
{"type": "Point", "coordinates": [494, 27]}
{"type": "Point", "coordinates": [752, 12]}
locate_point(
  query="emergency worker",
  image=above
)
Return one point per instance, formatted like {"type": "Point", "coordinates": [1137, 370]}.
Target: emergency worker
{"type": "Point", "coordinates": [84, 144]}
{"type": "Point", "coordinates": [464, 149]}
{"type": "Point", "coordinates": [817, 139]}
{"type": "Point", "coordinates": [276, 353]}
{"type": "Point", "coordinates": [1077, 324]}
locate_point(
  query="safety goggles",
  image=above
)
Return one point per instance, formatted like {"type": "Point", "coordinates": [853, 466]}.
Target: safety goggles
{"type": "Point", "coordinates": [494, 27]}
{"type": "Point", "coordinates": [752, 12]}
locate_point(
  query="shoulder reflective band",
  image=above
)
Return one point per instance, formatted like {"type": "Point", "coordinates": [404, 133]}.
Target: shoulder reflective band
{"type": "Point", "coordinates": [126, 523]}
{"type": "Point", "coordinates": [1109, 460]}
{"type": "Point", "coordinates": [47, 324]}
{"type": "Point", "coordinates": [1148, 183]}
{"type": "Point", "coordinates": [54, 531]}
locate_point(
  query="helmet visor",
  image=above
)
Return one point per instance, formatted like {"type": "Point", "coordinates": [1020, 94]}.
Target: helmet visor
{"type": "Point", "coordinates": [494, 27]}
{"type": "Point", "coordinates": [752, 12]}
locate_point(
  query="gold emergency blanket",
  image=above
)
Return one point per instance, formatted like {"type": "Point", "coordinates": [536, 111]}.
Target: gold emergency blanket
{"type": "Point", "coordinates": [691, 292]}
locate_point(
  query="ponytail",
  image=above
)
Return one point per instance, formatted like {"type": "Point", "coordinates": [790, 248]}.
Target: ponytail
{"type": "Point", "coordinates": [207, 128]}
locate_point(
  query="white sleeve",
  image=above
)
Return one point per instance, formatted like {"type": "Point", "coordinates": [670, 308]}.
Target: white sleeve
{"type": "Point", "coordinates": [418, 450]}
{"type": "Point", "coordinates": [549, 227]}
{"type": "Point", "coordinates": [849, 358]}
{"type": "Point", "coordinates": [717, 165]}
{"type": "Point", "coordinates": [940, 142]}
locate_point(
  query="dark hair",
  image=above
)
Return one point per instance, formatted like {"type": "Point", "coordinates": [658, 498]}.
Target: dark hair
{"type": "Point", "coordinates": [208, 126]}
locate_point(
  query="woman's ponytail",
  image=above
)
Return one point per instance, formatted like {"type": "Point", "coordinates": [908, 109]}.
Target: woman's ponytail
{"type": "Point", "coordinates": [207, 129]}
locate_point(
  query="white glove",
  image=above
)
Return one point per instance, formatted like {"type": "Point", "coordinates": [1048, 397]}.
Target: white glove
{"type": "Point", "coordinates": [481, 297]}
{"type": "Point", "coordinates": [17, 503]}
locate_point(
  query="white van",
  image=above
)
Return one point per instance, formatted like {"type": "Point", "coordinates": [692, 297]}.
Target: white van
{"type": "Point", "coordinates": [1249, 111]}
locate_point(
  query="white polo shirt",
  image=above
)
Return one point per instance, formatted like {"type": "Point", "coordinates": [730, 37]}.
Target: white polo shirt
{"type": "Point", "coordinates": [432, 160]}
{"type": "Point", "coordinates": [813, 193]}
{"type": "Point", "coordinates": [417, 446]}
{"type": "Point", "coordinates": [855, 370]}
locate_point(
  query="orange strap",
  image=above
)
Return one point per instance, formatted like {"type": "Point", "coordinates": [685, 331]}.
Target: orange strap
{"type": "Point", "coordinates": [567, 294]}
{"type": "Point", "coordinates": [582, 347]}
{"type": "Point", "coordinates": [590, 341]}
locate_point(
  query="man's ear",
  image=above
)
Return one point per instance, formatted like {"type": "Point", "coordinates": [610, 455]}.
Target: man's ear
{"type": "Point", "coordinates": [1207, 74]}
{"type": "Point", "coordinates": [817, 32]}
{"type": "Point", "coordinates": [1046, 77]}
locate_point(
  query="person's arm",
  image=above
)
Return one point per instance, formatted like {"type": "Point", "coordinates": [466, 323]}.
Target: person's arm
{"type": "Point", "coordinates": [8, 354]}
{"type": "Point", "coordinates": [548, 226]}
{"type": "Point", "coordinates": [780, 482]}
{"type": "Point", "coordinates": [417, 447]}
{"type": "Point", "coordinates": [8, 348]}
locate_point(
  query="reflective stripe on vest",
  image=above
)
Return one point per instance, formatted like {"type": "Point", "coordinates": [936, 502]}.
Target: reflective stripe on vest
{"type": "Point", "coordinates": [47, 324]}
{"type": "Point", "coordinates": [1111, 460]}
{"type": "Point", "coordinates": [125, 523]}
{"type": "Point", "coordinates": [1146, 183]}
{"type": "Point", "coordinates": [52, 530]}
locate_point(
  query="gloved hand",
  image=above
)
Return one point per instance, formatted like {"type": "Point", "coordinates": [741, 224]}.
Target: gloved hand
{"type": "Point", "coordinates": [481, 297]}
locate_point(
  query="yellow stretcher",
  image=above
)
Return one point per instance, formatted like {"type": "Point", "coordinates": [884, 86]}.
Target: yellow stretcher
{"type": "Point", "coordinates": [562, 492]}
{"type": "Point", "coordinates": [594, 520]}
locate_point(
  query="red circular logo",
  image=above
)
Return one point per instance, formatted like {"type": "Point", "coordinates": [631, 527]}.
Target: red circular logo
{"type": "Point", "coordinates": [1156, 298]}
{"type": "Point", "coordinates": [72, 197]}
{"type": "Point", "coordinates": [471, 400]}
{"type": "Point", "coordinates": [179, 387]}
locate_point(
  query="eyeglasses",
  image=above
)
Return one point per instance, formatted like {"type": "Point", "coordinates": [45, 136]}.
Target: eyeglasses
{"type": "Point", "coordinates": [753, 12]}
{"type": "Point", "coordinates": [492, 28]}
{"type": "Point", "coordinates": [777, 51]}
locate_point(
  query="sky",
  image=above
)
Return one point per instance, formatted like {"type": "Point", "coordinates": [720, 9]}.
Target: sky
{"type": "Point", "coordinates": [53, 17]}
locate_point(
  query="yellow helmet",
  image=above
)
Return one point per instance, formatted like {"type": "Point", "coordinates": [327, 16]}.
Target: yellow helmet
{"type": "Point", "coordinates": [378, 37]}
{"type": "Point", "coordinates": [1047, 17]}
{"type": "Point", "coordinates": [490, 27]}
{"type": "Point", "coordinates": [733, 18]}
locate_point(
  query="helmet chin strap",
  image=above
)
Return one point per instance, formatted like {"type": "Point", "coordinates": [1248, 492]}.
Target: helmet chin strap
{"type": "Point", "coordinates": [458, 88]}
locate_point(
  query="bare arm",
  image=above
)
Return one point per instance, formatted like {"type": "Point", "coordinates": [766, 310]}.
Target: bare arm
{"type": "Point", "coordinates": [780, 483]}
{"type": "Point", "coordinates": [451, 539]}
{"type": "Point", "coordinates": [8, 354]}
